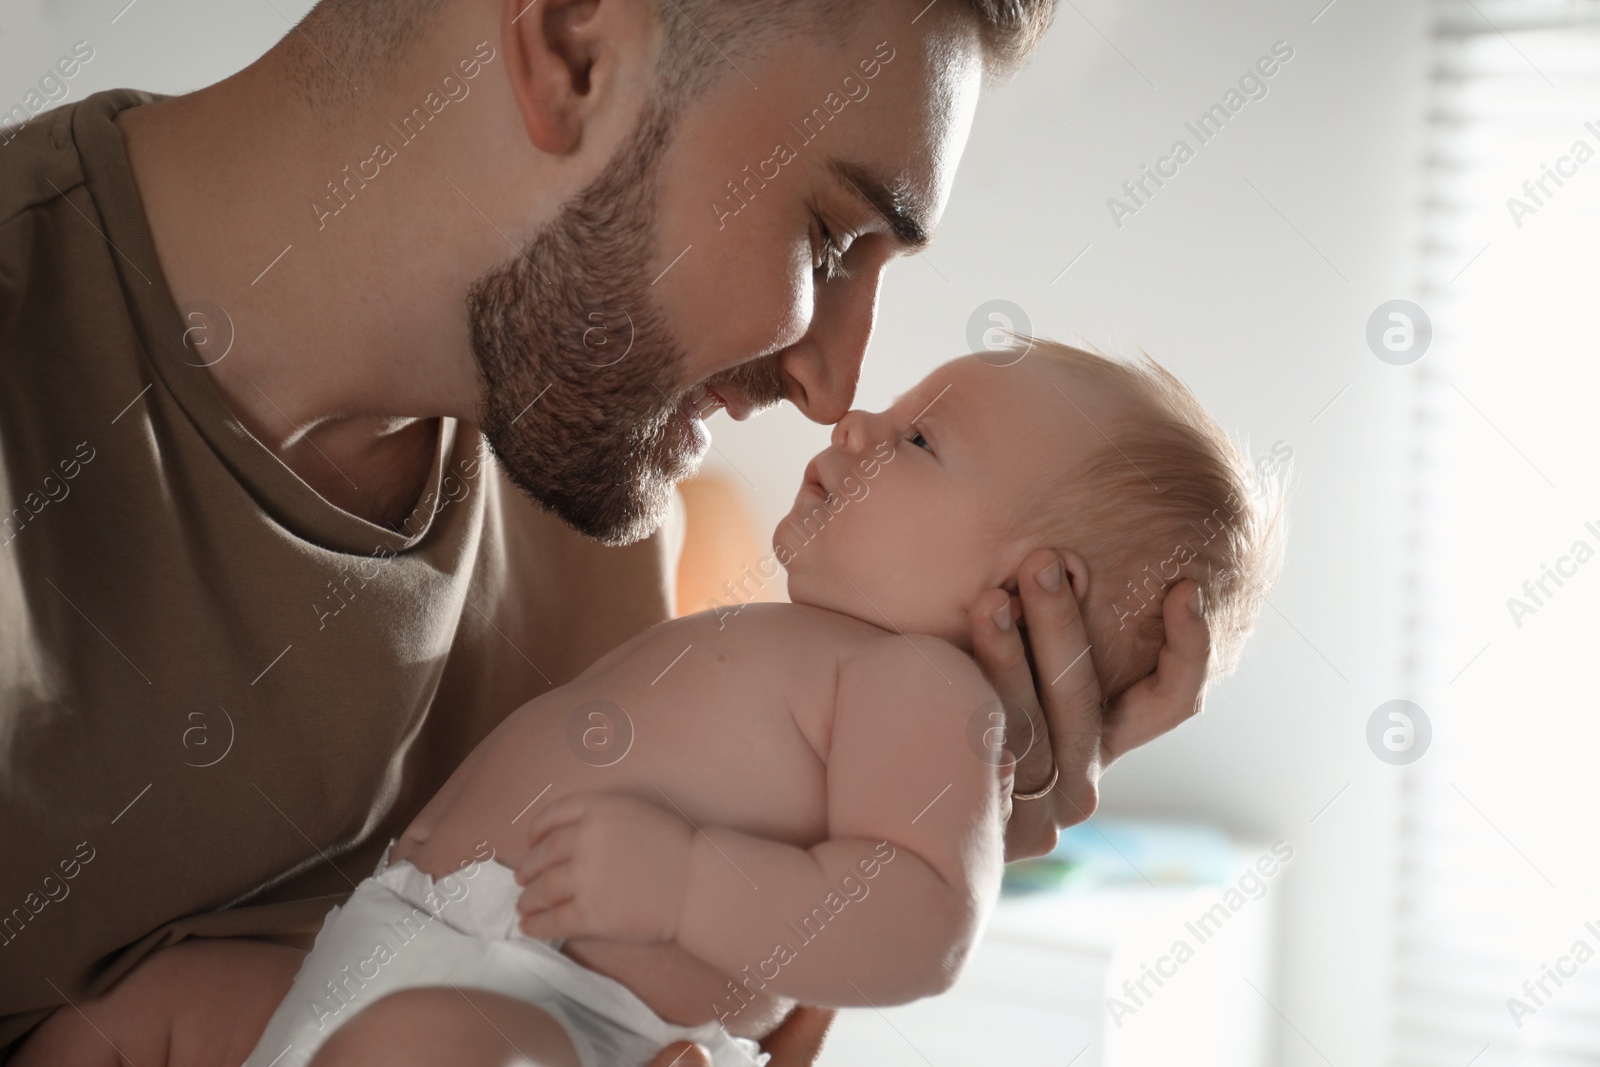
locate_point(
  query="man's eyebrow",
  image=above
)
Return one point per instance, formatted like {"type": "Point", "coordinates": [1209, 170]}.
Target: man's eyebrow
{"type": "Point", "coordinates": [905, 218]}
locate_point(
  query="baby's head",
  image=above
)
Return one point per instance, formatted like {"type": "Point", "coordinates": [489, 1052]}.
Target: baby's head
{"type": "Point", "coordinates": [914, 512]}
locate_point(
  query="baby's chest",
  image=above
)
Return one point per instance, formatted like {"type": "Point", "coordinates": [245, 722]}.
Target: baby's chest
{"type": "Point", "coordinates": [728, 740]}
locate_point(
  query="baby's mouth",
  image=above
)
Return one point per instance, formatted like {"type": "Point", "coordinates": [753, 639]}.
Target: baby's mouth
{"type": "Point", "coordinates": [812, 481]}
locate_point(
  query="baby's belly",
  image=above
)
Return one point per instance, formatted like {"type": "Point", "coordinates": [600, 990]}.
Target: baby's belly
{"type": "Point", "coordinates": [677, 986]}
{"type": "Point", "coordinates": [780, 797]}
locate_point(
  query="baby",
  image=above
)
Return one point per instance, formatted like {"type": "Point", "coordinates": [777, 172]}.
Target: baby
{"type": "Point", "coordinates": [750, 808]}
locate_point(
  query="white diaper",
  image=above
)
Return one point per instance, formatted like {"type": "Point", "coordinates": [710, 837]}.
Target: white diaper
{"type": "Point", "coordinates": [401, 930]}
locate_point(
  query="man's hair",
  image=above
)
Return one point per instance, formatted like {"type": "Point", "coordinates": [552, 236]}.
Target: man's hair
{"type": "Point", "coordinates": [702, 38]}
{"type": "Point", "coordinates": [1167, 495]}
{"type": "Point", "coordinates": [343, 46]}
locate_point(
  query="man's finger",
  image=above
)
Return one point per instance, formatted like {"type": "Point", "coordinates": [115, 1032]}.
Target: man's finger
{"type": "Point", "coordinates": [1030, 829]}
{"type": "Point", "coordinates": [798, 1042]}
{"type": "Point", "coordinates": [682, 1054]}
{"type": "Point", "coordinates": [1069, 690]}
{"type": "Point", "coordinates": [1161, 701]}
{"type": "Point", "coordinates": [1004, 662]}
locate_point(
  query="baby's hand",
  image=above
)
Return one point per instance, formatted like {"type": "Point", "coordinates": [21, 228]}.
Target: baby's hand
{"type": "Point", "coordinates": [604, 865]}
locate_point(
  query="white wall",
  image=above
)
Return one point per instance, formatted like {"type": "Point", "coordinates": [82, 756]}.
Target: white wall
{"type": "Point", "coordinates": [1211, 279]}
{"type": "Point", "coordinates": [165, 46]}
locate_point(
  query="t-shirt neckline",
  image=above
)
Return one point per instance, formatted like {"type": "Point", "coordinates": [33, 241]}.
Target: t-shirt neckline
{"type": "Point", "coordinates": [281, 492]}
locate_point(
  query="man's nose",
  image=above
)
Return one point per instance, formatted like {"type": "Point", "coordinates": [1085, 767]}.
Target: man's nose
{"type": "Point", "coordinates": [826, 363]}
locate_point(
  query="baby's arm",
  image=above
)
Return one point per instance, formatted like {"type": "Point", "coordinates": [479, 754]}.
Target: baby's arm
{"type": "Point", "coordinates": [910, 803]}
{"type": "Point", "coordinates": [883, 911]}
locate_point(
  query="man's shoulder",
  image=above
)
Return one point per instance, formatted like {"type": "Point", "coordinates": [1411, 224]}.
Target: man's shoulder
{"type": "Point", "coordinates": [40, 158]}
{"type": "Point", "coordinates": [49, 202]}
{"type": "Point", "coordinates": [38, 161]}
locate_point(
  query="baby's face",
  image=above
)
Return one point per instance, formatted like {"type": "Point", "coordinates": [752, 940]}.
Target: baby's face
{"type": "Point", "coordinates": [903, 522]}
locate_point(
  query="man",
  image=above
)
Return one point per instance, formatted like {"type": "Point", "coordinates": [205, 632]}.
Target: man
{"type": "Point", "coordinates": [280, 355]}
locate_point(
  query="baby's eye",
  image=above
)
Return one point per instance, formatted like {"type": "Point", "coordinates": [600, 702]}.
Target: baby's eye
{"type": "Point", "coordinates": [920, 441]}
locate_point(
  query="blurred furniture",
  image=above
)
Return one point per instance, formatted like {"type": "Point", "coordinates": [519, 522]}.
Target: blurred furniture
{"type": "Point", "coordinates": [720, 541]}
{"type": "Point", "coordinates": [1034, 993]}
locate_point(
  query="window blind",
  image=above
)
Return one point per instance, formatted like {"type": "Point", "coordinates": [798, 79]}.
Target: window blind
{"type": "Point", "coordinates": [1498, 959]}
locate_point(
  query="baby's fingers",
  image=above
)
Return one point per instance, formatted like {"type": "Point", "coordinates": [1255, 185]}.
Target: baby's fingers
{"type": "Point", "coordinates": [549, 890]}
{"type": "Point", "coordinates": [556, 847]}
{"type": "Point", "coordinates": [554, 924]}
{"type": "Point", "coordinates": [563, 812]}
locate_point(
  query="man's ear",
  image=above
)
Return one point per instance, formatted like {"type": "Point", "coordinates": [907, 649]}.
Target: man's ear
{"type": "Point", "coordinates": [553, 49]}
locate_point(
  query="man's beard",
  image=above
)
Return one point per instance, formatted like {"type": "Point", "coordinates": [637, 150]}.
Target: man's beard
{"type": "Point", "coordinates": [582, 378]}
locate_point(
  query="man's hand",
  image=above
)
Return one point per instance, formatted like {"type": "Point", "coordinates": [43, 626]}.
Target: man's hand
{"type": "Point", "coordinates": [604, 865]}
{"type": "Point", "coordinates": [1065, 697]}
{"type": "Point", "coordinates": [797, 1043]}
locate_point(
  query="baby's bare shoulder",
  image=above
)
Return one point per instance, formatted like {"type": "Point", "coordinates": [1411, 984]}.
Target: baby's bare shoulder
{"type": "Point", "coordinates": [796, 630]}
{"type": "Point", "coordinates": [912, 668]}
{"type": "Point", "coordinates": [791, 650]}
{"type": "Point", "coordinates": [810, 649]}
{"type": "Point", "coordinates": [788, 629]}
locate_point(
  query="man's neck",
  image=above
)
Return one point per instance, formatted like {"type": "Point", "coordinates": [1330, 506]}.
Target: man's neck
{"type": "Point", "coordinates": [350, 331]}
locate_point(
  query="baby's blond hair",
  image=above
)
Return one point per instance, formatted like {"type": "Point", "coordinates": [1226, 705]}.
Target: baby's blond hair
{"type": "Point", "coordinates": [1167, 496]}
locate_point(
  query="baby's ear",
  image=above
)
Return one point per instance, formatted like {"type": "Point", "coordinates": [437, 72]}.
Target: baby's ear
{"type": "Point", "coordinates": [1077, 573]}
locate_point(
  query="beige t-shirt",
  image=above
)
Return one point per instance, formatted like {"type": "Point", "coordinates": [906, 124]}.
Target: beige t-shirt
{"type": "Point", "coordinates": [220, 695]}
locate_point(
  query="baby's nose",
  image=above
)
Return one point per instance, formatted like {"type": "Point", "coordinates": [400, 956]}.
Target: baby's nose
{"type": "Point", "coordinates": [850, 431]}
